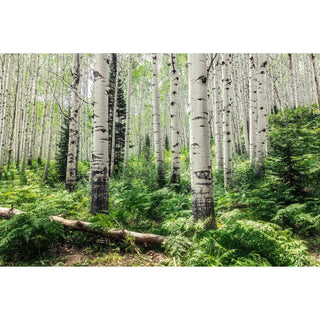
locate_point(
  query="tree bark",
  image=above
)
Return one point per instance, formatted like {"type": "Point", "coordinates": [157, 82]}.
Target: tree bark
{"type": "Point", "coordinates": [156, 122]}
{"type": "Point", "coordinates": [227, 128]}
{"type": "Point", "coordinates": [100, 145]}
{"type": "Point", "coordinates": [175, 122]}
{"type": "Point", "coordinates": [262, 112]}
{"type": "Point", "coordinates": [112, 233]}
{"type": "Point", "coordinates": [73, 126]}
{"type": "Point", "coordinates": [127, 132]}
{"type": "Point", "coordinates": [315, 79]}
{"type": "Point", "coordinates": [200, 150]}
{"type": "Point", "coordinates": [8, 213]}
{"type": "Point", "coordinates": [218, 138]}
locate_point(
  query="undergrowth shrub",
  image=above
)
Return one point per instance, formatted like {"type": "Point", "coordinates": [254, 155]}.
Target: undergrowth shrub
{"type": "Point", "coordinates": [236, 243]}
{"type": "Point", "coordinates": [27, 236]}
{"type": "Point", "coordinates": [301, 222]}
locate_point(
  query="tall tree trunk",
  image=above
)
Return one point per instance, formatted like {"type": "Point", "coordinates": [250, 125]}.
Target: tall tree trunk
{"type": "Point", "coordinates": [71, 172]}
{"type": "Point", "coordinates": [292, 91]}
{"type": "Point", "coordinates": [127, 133]}
{"type": "Point", "coordinates": [6, 109]}
{"type": "Point", "coordinates": [200, 151]}
{"type": "Point", "coordinates": [14, 112]}
{"type": "Point", "coordinates": [175, 121]}
{"type": "Point", "coordinates": [156, 122]}
{"type": "Point", "coordinates": [100, 144]}
{"type": "Point", "coordinates": [26, 126]}
{"type": "Point", "coordinates": [252, 110]}
{"type": "Point", "coordinates": [227, 127]}
{"type": "Point", "coordinates": [217, 114]}
{"type": "Point", "coordinates": [45, 106]}
{"type": "Point", "coordinates": [262, 112]}
{"type": "Point", "coordinates": [315, 79]}
{"type": "Point", "coordinates": [34, 118]}
{"type": "Point", "coordinates": [52, 104]}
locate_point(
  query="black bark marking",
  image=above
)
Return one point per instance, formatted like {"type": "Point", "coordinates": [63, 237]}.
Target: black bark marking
{"type": "Point", "coordinates": [204, 174]}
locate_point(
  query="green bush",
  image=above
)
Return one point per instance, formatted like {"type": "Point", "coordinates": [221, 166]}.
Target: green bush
{"type": "Point", "coordinates": [27, 236]}
{"type": "Point", "coordinates": [295, 217]}
{"type": "Point", "coordinates": [236, 243]}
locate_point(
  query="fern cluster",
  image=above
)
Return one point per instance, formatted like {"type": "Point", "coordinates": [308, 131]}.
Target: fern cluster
{"type": "Point", "coordinates": [27, 236]}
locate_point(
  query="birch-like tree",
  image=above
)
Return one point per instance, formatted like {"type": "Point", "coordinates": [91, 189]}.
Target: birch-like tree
{"type": "Point", "coordinates": [157, 122]}
{"type": "Point", "coordinates": [100, 142]}
{"type": "Point", "coordinates": [175, 121]}
{"type": "Point", "coordinates": [127, 133]}
{"type": "Point", "coordinates": [73, 125]}
{"type": "Point", "coordinates": [315, 79]}
{"type": "Point", "coordinates": [227, 133]}
{"type": "Point", "coordinates": [200, 151]}
{"type": "Point", "coordinates": [218, 138]}
{"type": "Point", "coordinates": [262, 112]}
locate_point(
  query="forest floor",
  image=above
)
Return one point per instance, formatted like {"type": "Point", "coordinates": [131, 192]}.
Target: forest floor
{"type": "Point", "coordinates": [67, 255]}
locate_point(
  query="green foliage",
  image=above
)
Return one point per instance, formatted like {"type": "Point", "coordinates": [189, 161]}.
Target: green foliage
{"type": "Point", "coordinates": [120, 114]}
{"type": "Point", "coordinates": [27, 236]}
{"type": "Point", "coordinates": [236, 243]}
{"type": "Point", "coordinates": [146, 148]}
{"type": "Point", "coordinates": [167, 144]}
{"type": "Point", "coordinates": [295, 154]}
{"type": "Point", "coordinates": [301, 222]}
{"type": "Point", "coordinates": [62, 151]}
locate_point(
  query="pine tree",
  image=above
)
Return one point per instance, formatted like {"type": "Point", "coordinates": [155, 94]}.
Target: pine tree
{"type": "Point", "coordinates": [62, 150]}
{"type": "Point", "coordinates": [120, 115]}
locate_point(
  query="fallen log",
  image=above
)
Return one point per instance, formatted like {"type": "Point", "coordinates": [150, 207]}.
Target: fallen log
{"type": "Point", "coordinates": [112, 233]}
{"type": "Point", "coordinates": [8, 213]}
{"type": "Point", "coordinates": [85, 226]}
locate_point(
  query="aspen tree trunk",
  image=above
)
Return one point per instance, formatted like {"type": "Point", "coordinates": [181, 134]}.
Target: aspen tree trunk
{"type": "Point", "coordinates": [292, 87]}
{"type": "Point", "coordinates": [200, 151]}
{"type": "Point", "coordinates": [141, 104]}
{"type": "Point", "coordinates": [46, 170]}
{"type": "Point", "coordinates": [218, 138]}
{"type": "Point", "coordinates": [6, 107]}
{"type": "Point", "coordinates": [13, 120]}
{"type": "Point", "coordinates": [252, 109]}
{"type": "Point", "coordinates": [52, 104]}
{"type": "Point", "coordinates": [26, 127]}
{"type": "Point", "coordinates": [34, 118]}
{"type": "Point", "coordinates": [20, 114]}
{"type": "Point", "coordinates": [113, 135]}
{"type": "Point", "coordinates": [156, 122]}
{"type": "Point", "coordinates": [127, 132]}
{"type": "Point", "coordinates": [45, 106]}
{"type": "Point", "coordinates": [315, 79]}
{"type": "Point", "coordinates": [175, 121]}
{"type": "Point", "coordinates": [100, 144]}
{"type": "Point", "coordinates": [71, 172]}
{"type": "Point", "coordinates": [227, 128]}
{"type": "Point", "coordinates": [243, 103]}
{"type": "Point", "coordinates": [262, 112]}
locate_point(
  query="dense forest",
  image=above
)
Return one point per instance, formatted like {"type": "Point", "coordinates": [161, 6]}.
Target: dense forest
{"type": "Point", "coordinates": [159, 159]}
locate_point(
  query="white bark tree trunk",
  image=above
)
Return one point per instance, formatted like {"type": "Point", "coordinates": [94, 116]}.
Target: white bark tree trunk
{"type": "Point", "coordinates": [262, 112]}
{"type": "Point", "coordinates": [227, 130]}
{"type": "Point", "coordinates": [100, 145]}
{"type": "Point", "coordinates": [200, 151]}
{"type": "Point", "coordinates": [252, 109]}
{"type": "Point", "coordinates": [218, 138]}
{"type": "Point", "coordinates": [71, 173]}
{"type": "Point", "coordinates": [315, 79]}
{"type": "Point", "coordinates": [156, 122]}
{"type": "Point", "coordinates": [175, 121]}
{"type": "Point", "coordinates": [127, 132]}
